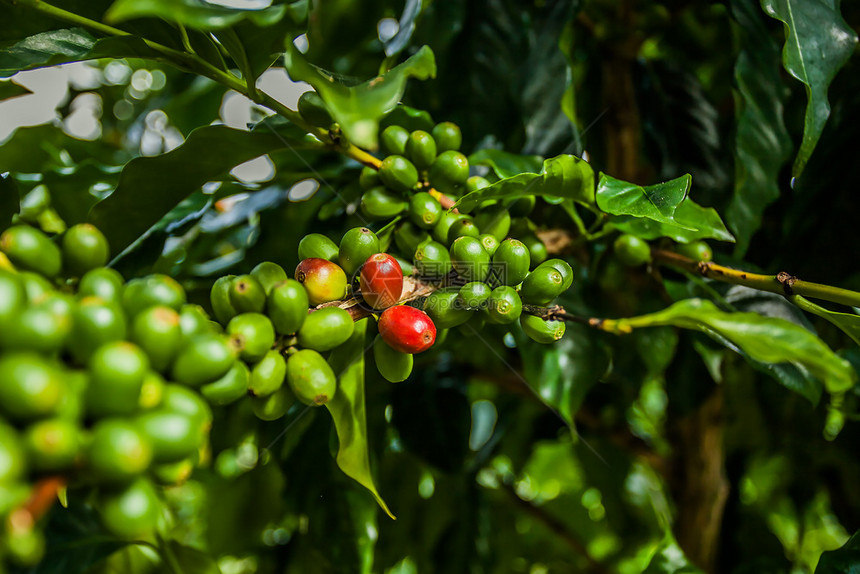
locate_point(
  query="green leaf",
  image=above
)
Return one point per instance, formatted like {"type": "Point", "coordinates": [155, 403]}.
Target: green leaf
{"type": "Point", "coordinates": [9, 90]}
{"type": "Point", "coordinates": [762, 143]}
{"type": "Point", "coordinates": [192, 13]}
{"type": "Point", "coordinates": [765, 339]}
{"type": "Point", "coordinates": [9, 200]}
{"type": "Point", "coordinates": [696, 222]}
{"type": "Point", "coordinates": [358, 109]}
{"type": "Point", "coordinates": [565, 176]}
{"type": "Point", "coordinates": [847, 322]}
{"type": "Point", "coordinates": [505, 164]}
{"type": "Point", "coordinates": [656, 202]}
{"type": "Point", "coordinates": [68, 45]}
{"type": "Point", "coordinates": [669, 558]}
{"type": "Point", "coordinates": [818, 42]}
{"type": "Point", "coordinates": [844, 560]}
{"type": "Point", "coordinates": [149, 187]}
{"type": "Point", "coordinates": [348, 412]}
{"type": "Point", "coordinates": [70, 189]}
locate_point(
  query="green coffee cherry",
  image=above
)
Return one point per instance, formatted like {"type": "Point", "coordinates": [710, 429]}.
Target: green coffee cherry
{"type": "Point", "coordinates": [544, 332]}
{"type": "Point", "coordinates": [28, 248]}
{"type": "Point", "coordinates": [13, 298]}
{"type": "Point", "coordinates": [268, 274]}
{"type": "Point", "coordinates": [219, 298]}
{"type": "Point", "coordinates": [204, 359]}
{"type": "Point", "coordinates": [368, 178]}
{"type": "Point", "coordinates": [131, 512]}
{"type": "Point", "coordinates": [274, 406]}
{"type": "Point", "coordinates": [35, 286]}
{"type": "Point", "coordinates": [13, 461]}
{"type": "Point", "coordinates": [252, 334]}
{"type": "Point", "coordinates": [356, 246]}
{"type": "Point", "coordinates": [156, 289]}
{"type": "Point", "coordinates": [469, 259]}
{"type": "Point", "coordinates": [632, 251]}
{"type": "Point", "coordinates": [30, 386]}
{"type": "Point", "coordinates": [102, 282]}
{"type": "Point", "coordinates": [494, 220]}
{"type": "Point", "coordinates": [37, 328]}
{"type": "Point", "coordinates": [287, 306]}
{"type": "Point", "coordinates": [310, 378]}
{"type": "Point", "coordinates": [326, 329]}
{"type": "Point", "coordinates": [193, 320]}
{"type": "Point", "coordinates": [449, 172]}
{"type": "Point", "coordinates": [393, 365]}
{"type": "Point", "coordinates": [447, 136]}
{"type": "Point", "coordinates": [424, 210]}
{"type": "Point", "coordinates": [24, 547]}
{"type": "Point", "coordinates": [421, 149]}
{"type": "Point", "coordinates": [542, 286]}
{"type": "Point", "coordinates": [393, 140]}
{"type": "Point", "coordinates": [179, 399]}
{"type": "Point", "coordinates": [174, 473]}
{"type": "Point", "coordinates": [173, 436]}
{"type": "Point", "coordinates": [229, 388]}
{"type": "Point", "coordinates": [84, 248]}
{"type": "Point", "coordinates": [432, 260]}
{"type": "Point", "coordinates": [118, 451]}
{"type": "Point", "coordinates": [562, 267]}
{"type": "Point", "coordinates": [319, 246]}
{"type": "Point", "coordinates": [151, 391]}
{"type": "Point", "coordinates": [521, 206]}
{"type": "Point", "coordinates": [268, 375]}
{"type": "Point", "coordinates": [409, 237]}
{"type": "Point", "coordinates": [314, 111]}
{"type": "Point", "coordinates": [476, 182]}
{"type": "Point", "coordinates": [504, 305]}
{"type": "Point", "coordinates": [398, 173]}
{"type": "Point", "coordinates": [247, 295]}
{"type": "Point", "coordinates": [474, 295]}
{"type": "Point", "coordinates": [445, 309]}
{"type": "Point", "coordinates": [382, 203]}
{"type": "Point", "coordinates": [489, 242]}
{"type": "Point", "coordinates": [116, 372]}
{"type": "Point", "coordinates": [537, 249]}
{"type": "Point", "coordinates": [157, 331]}
{"type": "Point", "coordinates": [697, 250]}
{"type": "Point", "coordinates": [463, 227]}
{"type": "Point", "coordinates": [440, 231]}
{"type": "Point", "coordinates": [95, 323]}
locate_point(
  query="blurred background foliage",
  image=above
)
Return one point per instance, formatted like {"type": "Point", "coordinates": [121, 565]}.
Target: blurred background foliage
{"type": "Point", "coordinates": [681, 455]}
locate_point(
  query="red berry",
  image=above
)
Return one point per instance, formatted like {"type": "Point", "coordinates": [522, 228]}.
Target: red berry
{"type": "Point", "coordinates": [381, 281]}
{"type": "Point", "coordinates": [323, 280]}
{"type": "Point", "coordinates": [407, 329]}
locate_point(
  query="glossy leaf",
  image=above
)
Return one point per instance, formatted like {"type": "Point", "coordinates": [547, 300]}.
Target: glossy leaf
{"type": "Point", "coordinates": [68, 45]}
{"type": "Point", "coordinates": [505, 164]}
{"type": "Point", "coordinates": [9, 90]}
{"type": "Point", "coordinates": [149, 187]}
{"type": "Point", "coordinates": [847, 322]}
{"type": "Point", "coordinates": [347, 409]}
{"type": "Point", "coordinates": [692, 222]}
{"type": "Point", "coordinates": [844, 560]}
{"type": "Point", "coordinates": [655, 202]}
{"type": "Point", "coordinates": [193, 13]}
{"type": "Point", "coordinates": [818, 42]}
{"type": "Point", "coordinates": [564, 176]}
{"type": "Point", "coordinates": [762, 143]}
{"type": "Point", "coordinates": [765, 339]}
{"type": "Point", "coordinates": [358, 109]}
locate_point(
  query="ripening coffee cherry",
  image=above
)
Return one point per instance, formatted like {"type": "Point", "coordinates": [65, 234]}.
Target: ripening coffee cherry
{"type": "Point", "coordinates": [407, 329]}
{"type": "Point", "coordinates": [326, 328]}
{"type": "Point", "coordinates": [310, 378]}
{"type": "Point", "coordinates": [393, 140]}
{"type": "Point", "coordinates": [421, 149]}
{"type": "Point", "coordinates": [219, 298]}
{"type": "Point", "coordinates": [356, 246]}
{"type": "Point", "coordinates": [369, 177]}
{"type": "Point", "coordinates": [247, 295]}
{"type": "Point", "coordinates": [424, 210]}
{"type": "Point", "coordinates": [319, 246]}
{"type": "Point", "coordinates": [449, 171]}
{"type": "Point", "coordinates": [541, 331]}
{"type": "Point", "coordinates": [382, 203]}
{"type": "Point", "coordinates": [381, 281]}
{"type": "Point", "coordinates": [697, 250]}
{"type": "Point", "coordinates": [469, 259]}
{"type": "Point", "coordinates": [537, 249]}
{"type": "Point", "coordinates": [30, 386]}
{"type": "Point", "coordinates": [273, 406]}
{"type": "Point", "coordinates": [504, 305]}
{"type": "Point", "coordinates": [408, 237]}
{"type": "Point", "coordinates": [116, 372]}
{"type": "Point", "coordinates": [173, 436]}
{"type": "Point", "coordinates": [562, 267]}
{"type": "Point", "coordinates": [323, 280]}
{"type": "Point", "coordinates": [95, 323]}
{"type": "Point", "coordinates": [432, 260]}
{"type": "Point", "coordinates": [268, 274]}
{"type": "Point", "coordinates": [542, 286]}
{"type": "Point", "coordinates": [632, 251]}
{"type": "Point", "coordinates": [445, 308]}
{"type": "Point", "coordinates": [84, 248]}
{"type": "Point", "coordinates": [155, 289]}
{"type": "Point", "coordinates": [229, 388]}
{"type": "Point", "coordinates": [268, 375]}
{"type": "Point", "coordinates": [30, 249]}
{"type": "Point", "coordinates": [494, 220]}
{"type": "Point", "coordinates": [489, 242]}
{"type": "Point", "coordinates": [313, 110]}
{"type": "Point", "coordinates": [204, 359]}
{"type": "Point", "coordinates": [398, 173]}
{"type": "Point", "coordinates": [474, 295]}
{"type": "Point", "coordinates": [393, 365]}
{"type": "Point", "coordinates": [463, 227]}
{"type": "Point", "coordinates": [447, 136]}
{"type": "Point", "coordinates": [287, 306]}
{"type": "Point", "coordinates": [131, 512]}
{"type": "Point", "coordinates": [157, 331]}
{"type": "Point", "coordinates": [118, 451]}
{"type": "Point", "coordinates": [252, 334]}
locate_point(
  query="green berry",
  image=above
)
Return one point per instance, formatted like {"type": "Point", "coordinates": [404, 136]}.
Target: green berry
{"type": "Point", "coordinates": [118, 451]}
{"type": "Point", "coordinates": [447, 136]}
{"type": "Point", "coordinates": [544, 332]}
{"type": "Point", "coordinates": [187, 402]}
{"type": "Point", "coordinates": [490, 243]}
{"type": "Point", "coordinates": [95, 323]}
{"type": "Point", "coordinates": [542, 286]}
{"type": "Point", "coordinates": [102, 282]}
{"type": "Point", "coordinates": [474, 295]}
{"type": "Point", "coordinates": [562, 267]}
{"type": "Point", "coordinates": [382, 203]}
{"type": "Point", "coordinates": [494, 220]}
{"type": "Point", "coordinates": [398, 173]}
{"type": "Point", "coordinates": [440, 230]}
{"type": "Point", "coordinates": [393, 365]}
{"type": "Point", "coordinates": [409, 237]}
{"type": "Point", "coordinates": [311, 379]}
{"type": "Point", "coordinates": [393, 140]}
{"type": "Point", "coordinates": [356, 246]}
{"type": "Point", "coordinates": [30, 386]}
{"type": "Point", "coordinates": [229, 388]}
{"type": "Point", "coordinates": [273, 406]}
{"type": "Point", "coordinates": [204, 359]}
{"type": "Point", "coordinates": [476, 182]}
{"type": "Point", "coordinates": [632, 251]}
{"type": "Point", "coordinates": [368, 178]}
{"type": "Point", "coordinates": [445, 309]}
{"type": "Point", "coordinates": [13, 461]}
{"type": "Point", "coordinates": [314, 110]}
{"type": "Point", "coordinates": [319, 246]}
{"type": "Point", "coordinates": [268, 375]}
{"type": "Point", "coordinates": [117, 371]}
{"type": "Point", "coordinates": [432, 260]}
{"type": "Point", "coordinates": [469, 259]}
{"type": "Point", "coordinates": [37, 328]}
{"type": "Point", "coordinates": [247, 295]}
{"type": "Point", "coordinates": [13, 297]}
{"type": "Point", "coordinates": [268, 274]}
{"type": "Point", "coordinates": [252, 334]}
{"type": "Point", "coordinates": [131, 512]}
{"type": "Point", "coordinates": [28, 248]}
{"type": "Point", "coordinates": [219, 298]}
{"type": "Point", "coordinates": [504, 305]}
{"type": "Point", "coordinates": [193, 320]}
{"type": "Point", "coordinates": [424, 210]}
{"type": "Point", "coordinates": [449, 172]}
{"type": "Point", "coordinates": [697, 250]}
{"type": "Point", "coordinates": [156, 289]}
{"type": "Point", "coordinates": [421, 149]}
{"type": "Point", "coordinates": [287, 306]}
{"type": "Point", "coordinates": [157, 331]}
{"type": "Point", "coordinates": [537, 249]}
{"type": "Point", "coordinates": [463, 227]}
{"type": "Point", "coordinates": [84, 248]}
{"type": "Point", "coordinates": [173, 436]}
{"type": "Point", "coordinates": [326, 329]}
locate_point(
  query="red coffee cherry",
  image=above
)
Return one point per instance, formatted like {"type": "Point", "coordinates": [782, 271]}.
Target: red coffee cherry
{"type": "Point", "coordinates": [323, 280]}
{"type": "Point", "coordinates": [407, 329]}
{"type": "Point", "coordinates": [381, 281]}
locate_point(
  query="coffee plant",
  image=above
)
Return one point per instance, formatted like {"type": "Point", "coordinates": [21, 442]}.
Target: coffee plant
{"type": "Point", "coordinates": [485, 286]}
